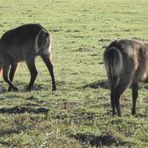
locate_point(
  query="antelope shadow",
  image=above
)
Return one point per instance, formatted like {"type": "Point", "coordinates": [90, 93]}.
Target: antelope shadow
{"type": "Point", "coordinates": [99, 84]}
{"type": "Point", "coordinates": [21, 110]}
{"type": "Point", "coordinates": [99, 141]}
{"type": "Point", "coordinates": [9, 131]}
{"type": "Point", "coordinates": [13, 131]}
{"type": "Point", "coordinates": [105, 84]}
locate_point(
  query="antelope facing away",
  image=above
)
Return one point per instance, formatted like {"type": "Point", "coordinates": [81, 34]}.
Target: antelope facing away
{"type": "Point", "coordinates": [24, 43]}
{"type": "Point", "coordinates": [126, 63]}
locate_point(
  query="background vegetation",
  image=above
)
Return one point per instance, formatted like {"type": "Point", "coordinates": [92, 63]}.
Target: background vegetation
{"type": "Point", "coordinates": [78, 114]}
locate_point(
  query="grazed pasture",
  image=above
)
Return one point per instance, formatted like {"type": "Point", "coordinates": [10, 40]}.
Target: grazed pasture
{"type": "Point", "coordinates": [79, 113]}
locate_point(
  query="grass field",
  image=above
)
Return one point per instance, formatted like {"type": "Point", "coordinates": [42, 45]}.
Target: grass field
{"type": "Point", "coordinates": [78, 114]}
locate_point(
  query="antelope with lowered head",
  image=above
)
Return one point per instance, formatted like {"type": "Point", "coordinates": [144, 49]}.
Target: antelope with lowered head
{"type": "Point", "coordinates": [24, 43]}
{"type": "Point", "coordinates": [126, 63]}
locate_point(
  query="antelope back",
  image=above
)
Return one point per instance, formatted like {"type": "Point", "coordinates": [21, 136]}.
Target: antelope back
{"type": "Point", "coordinates": [23, 42]}
{"type": "Point", "coordinates": [127, 57]}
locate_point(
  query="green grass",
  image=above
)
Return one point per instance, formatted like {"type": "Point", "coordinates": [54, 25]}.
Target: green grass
{"type": "Point", "coordinates": [78, 114]}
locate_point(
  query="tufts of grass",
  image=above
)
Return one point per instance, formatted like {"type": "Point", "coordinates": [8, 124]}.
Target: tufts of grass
{"type": "Point", "coordinates": [78, 114]}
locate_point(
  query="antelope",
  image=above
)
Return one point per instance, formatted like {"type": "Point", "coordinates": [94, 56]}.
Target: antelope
{"type": "Point", "coordinates": [24, 43]}
{"type": "Point", "coordinates": [126, 63]}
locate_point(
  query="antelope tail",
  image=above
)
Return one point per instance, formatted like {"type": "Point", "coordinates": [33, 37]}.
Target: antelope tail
{"type": "Point", "coordinates": [113, 61]}
{"type": "Point", "coordinates": [43, 42]}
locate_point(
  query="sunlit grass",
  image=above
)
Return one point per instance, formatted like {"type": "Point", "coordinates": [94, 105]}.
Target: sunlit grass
{"type": "Point", "coordinates": [78, 114]}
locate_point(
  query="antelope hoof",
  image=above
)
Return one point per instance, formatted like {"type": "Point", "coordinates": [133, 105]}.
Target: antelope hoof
{"type": "Point", "coordinates": [9, 89]}
{"type": "Point", "coordinates": [28, 89]}
{"type": "Point", "coordinates": [54, 89]}
{"type": "Point", "coordinates": [15, 89]}
{"type": "Point", "coordinates": [133, 113]}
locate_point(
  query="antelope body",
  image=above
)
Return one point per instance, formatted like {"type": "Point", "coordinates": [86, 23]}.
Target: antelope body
{"type": "Point", "coordinates": [126, 63]}
{"type": "Point", "coordinates": [24, 43]}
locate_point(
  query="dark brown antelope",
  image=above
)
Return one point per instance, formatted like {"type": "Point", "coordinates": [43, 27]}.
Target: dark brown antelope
{"type": "Point", "coordinates": [24, 44]}
{"type": "Point", "coordinates": [126, 63]}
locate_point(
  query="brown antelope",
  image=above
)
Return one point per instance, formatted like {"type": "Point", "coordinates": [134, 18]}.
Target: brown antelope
{"type": "Point", "coordinates": [126, 63]}
{"type": "Point", "coordinates": [24, 43]}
